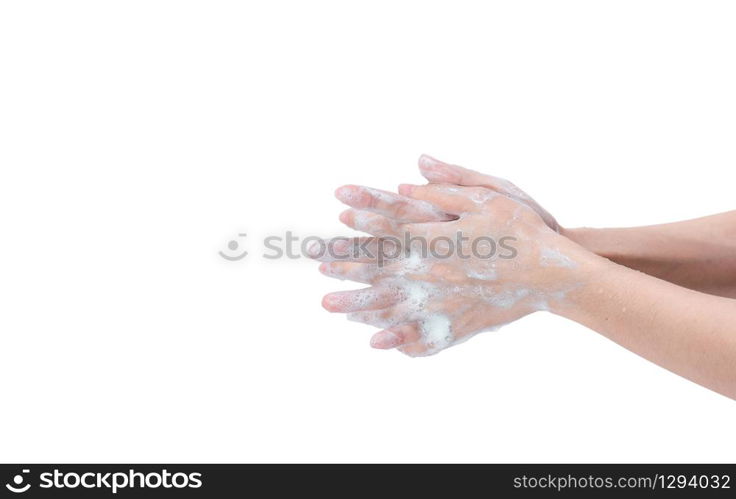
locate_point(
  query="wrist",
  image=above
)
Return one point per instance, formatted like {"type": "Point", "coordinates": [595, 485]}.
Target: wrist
{"type": "Point", "coordinates": [577, 282]}
{"type": "Point", "coordinates": [597, 287]}
{"type": "Point", "coordinates": [614, 244]}
{"type": "Point", "coordinates": [583, 236]}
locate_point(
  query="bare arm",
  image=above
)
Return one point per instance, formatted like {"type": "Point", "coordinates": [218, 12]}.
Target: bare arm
{"type": "Point", "coordinates": [699, 254]}
{"type": "Point", "coordinates": [690, 333]}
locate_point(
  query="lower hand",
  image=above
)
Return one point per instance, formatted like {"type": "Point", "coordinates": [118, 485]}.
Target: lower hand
{"type": "Point", "coordinates": [491, 260]}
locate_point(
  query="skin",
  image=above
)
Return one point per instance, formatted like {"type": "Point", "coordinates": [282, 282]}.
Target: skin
{"type": "Point", "coordinates": [475, 294]}
{"type": "Point", "coordinates": [684, 330]}
{"type": "Point", "coordinates": [698, 254]}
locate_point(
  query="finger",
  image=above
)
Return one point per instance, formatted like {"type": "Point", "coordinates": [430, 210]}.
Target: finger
{"type": "Point", "coordinates": [439, 172]}
{"type": "Point", "coordinates": [371, 223]}
{"type": "Point", "coordinates": [396, 336]}
{"type": "Point", "coordinates": [361, 299]}
{"type": "Point", "coordinates": [339, 248]}
{"type": "Point", "coordinates": [399, 208]}
{"type": "Point", "coordinates": [352, 271]}
{"type": "Point", "coordinates": [416, 349]}
{"type": "Point", "coordinates": [436, 171]}
{"type": "Point", "coordinates": [354, 249]}
{"type": "Point", "coordinates": [451, 199]}
{"type": "Point", "coordinates": [384, 319]}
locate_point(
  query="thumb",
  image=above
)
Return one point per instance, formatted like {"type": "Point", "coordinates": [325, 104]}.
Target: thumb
{"type": "Point", "coordinates": [439, 172]}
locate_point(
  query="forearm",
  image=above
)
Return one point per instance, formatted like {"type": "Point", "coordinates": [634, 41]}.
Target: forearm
{"type": "Point", "coordinates": [690, 333]}
{"type": "Point", "coordinates": [698, 254]}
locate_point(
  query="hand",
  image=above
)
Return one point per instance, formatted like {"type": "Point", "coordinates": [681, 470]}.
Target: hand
{"type": "Point", "coordinates": [490, 261]}
{"type": "Point", "coordinates": [436, 171]}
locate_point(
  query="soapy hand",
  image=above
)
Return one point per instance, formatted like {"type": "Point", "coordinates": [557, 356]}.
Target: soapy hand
{"type": "Point", "coordinates": [439, 172]}
{"type": "Point", "coordinates": [445, 262]}
{"type": "Point", "coordinates": [470, 252]}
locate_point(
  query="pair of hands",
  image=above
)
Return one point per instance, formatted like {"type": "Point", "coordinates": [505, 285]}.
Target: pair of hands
{"type": "Point", "coordinates": [465, 253]}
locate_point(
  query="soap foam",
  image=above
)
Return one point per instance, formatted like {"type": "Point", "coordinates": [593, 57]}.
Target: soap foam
{"type": "Point", "coordinates": [487, 275]}
{"type": "Point", "coordinates": [436, 332]}
{"type": "Point", "coordinates": [551, 257]}
{"type": "Point", "coordinates": [418, 207]}
{"type": "Point", "coordinates": [417, 293]}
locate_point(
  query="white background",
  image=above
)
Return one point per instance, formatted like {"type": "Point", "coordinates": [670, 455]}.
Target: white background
{"type": "Point", "coordinates": [137, 138]}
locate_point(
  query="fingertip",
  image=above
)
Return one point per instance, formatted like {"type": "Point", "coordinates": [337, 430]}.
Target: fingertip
{"type": "Point", "coordinates": [376, 342]}
{"type": "Point", "coordinates": [346, 193]}
{"type": "Point", "coordinates": [314, 249]}
{"type": "Point", "coordinates": [436, 171]}
{"type": "Point", "coordinates": [324, 268]}
{"type": "Point", "coordinates": [345, 216]}
{"type": "Point", "coordinates": [384, 340]}
{"type": "Point", "coordinates": [328, 303]}
{"type": "Point", "coordinates": [425, 160]}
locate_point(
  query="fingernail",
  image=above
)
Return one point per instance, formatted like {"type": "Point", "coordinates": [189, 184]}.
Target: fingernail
{"type": "Point", "coordinates": [345, 193]}
{"type": "Point", "coordinates": [328, 303]}
{"type": "Point", "coordinates": [341, 246]}
{"type": "Point", "coordinates": [435, 170]}
{"type": "Point", "coordinates": [426, 161]}
{"type": "Point", "coordinates": [314, 249]}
